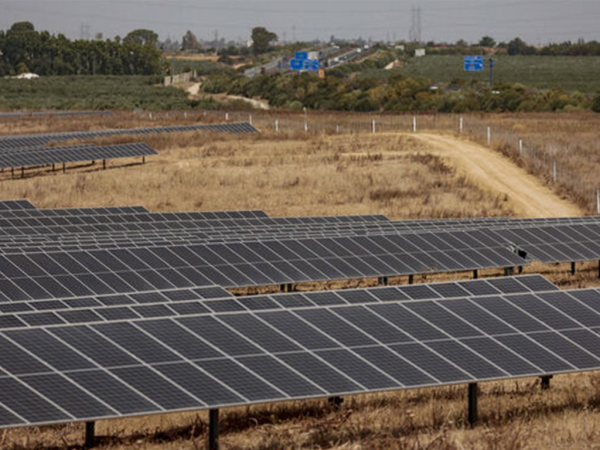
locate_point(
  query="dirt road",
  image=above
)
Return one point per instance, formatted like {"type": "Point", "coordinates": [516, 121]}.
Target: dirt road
{"type": "Point", "coordinates": [491, 170]}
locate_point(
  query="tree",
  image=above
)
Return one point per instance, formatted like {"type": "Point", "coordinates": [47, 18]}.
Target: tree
{"type": "Point", "coordinates": [142, 37]}
{"type": "Point", "coordinates": [261, 40]}
{"type": "Point", "coordinates": [487, 41]}
{"type": "Point", "coordinates": [189, 41]}
{"type": "Point", "coordinates": [596, 104]}
{"type": "Point", "coordinates": [519, 47]}
{"type": "Point", "coordinates": [22, 26]}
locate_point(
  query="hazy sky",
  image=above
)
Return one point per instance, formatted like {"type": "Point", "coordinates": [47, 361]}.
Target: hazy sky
{"type": "Point", "coordinates": [536, 21]}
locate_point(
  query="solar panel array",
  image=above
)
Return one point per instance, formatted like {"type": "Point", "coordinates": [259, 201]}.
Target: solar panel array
{"type": "Point", "coordinates": [62, 373]}
{"type": "Point", "coordinates": [47, 156]}
{"type": "Point", "coordinates": [36, 140]}
{"type": "Point", "coordinates": [117, 312]}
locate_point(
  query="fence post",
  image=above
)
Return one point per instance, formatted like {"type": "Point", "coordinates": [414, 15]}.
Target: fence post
{"type": "Point", "coordinates": [276, 126]}
{"type": "Point", "coordinates": [414, 124]}
{"type": "Point", "coordinates": [250, 119]}
{"type": "Point", "coordinates": [520, 147]}
{"type": "Point", "coordinates": [226, 117]}
{"type": "Point", "coordinates": [337, 129]}
{"type": "Point", "coordinates": [305, 126]}
{"type": "Point", "coordinates": [554, 171]}
{"type": "Point", "coordinates": [598, 201]}
{"type": "Point", "coordinates": [489, 136]}
{"type": "Point", "coordinates": [373, 126]}
{"type": "Point", "coordinates": [461, 124]}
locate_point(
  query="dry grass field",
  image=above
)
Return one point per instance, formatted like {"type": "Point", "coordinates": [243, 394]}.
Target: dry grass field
{"type": "Point", "coordinates": [323, 173]}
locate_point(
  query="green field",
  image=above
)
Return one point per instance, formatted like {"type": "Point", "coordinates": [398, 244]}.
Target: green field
{"type": "Point", "coordinates": [90, 92]}
{"type": "Point", "coordinates": [569, 72]}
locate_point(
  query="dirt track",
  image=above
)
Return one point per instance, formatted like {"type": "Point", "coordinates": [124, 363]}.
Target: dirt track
{"type": "Point", "coordinates": [489, 169]}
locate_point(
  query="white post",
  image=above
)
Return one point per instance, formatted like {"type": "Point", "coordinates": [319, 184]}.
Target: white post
{"type": "Point", "coordinates": [337, 129]}
{"type": "Point", "coordinates": [598, 201]}
{"type": "Point", "coordinates": [226, 117]}
{"type": "Point", "coordinates": [150, 115]}
{"type": "Point", "coordinates": [276, 126]}
{"type": "Point", "coordinates": [185, 115]}
{"type": "Point", "coordinates": [250, 119]}
{"type": "Point", "coordinates": [489, 136]}
{"type": "Point", "coordinates": [520, 147]}
{"type": "Point", "coordinates": [305, 126]}
{"type": "Point", "coordinates": [554, 171]}
{"type": "Point", "coordinates": [414, 124]}
{"type": "Point", "coordinates": [373, 126]}
{"type": "Point", "coordinates": [461, 124]}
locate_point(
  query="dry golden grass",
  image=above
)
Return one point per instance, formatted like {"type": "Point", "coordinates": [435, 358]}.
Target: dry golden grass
{"type": "Point", "coordinates": [293, 173]}
{"type": "Point", "coordinates": [285, 175]}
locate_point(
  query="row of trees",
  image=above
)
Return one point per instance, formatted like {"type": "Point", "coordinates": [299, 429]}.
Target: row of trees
{"type": "Point", "coordinates": [397, 93]}
{"type": "Point", "coordinates": [518, 46]}
{"type": "Point", "coordinates": [23, 49]}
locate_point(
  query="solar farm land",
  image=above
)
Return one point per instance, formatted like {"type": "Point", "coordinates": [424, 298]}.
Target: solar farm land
{"type": "Point", "coordinates": [381, 196]}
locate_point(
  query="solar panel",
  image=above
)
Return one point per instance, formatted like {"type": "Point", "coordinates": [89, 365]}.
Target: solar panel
{"type": "Point", "coordinates": [75, 154]}
{"type": "Point", "coordinates": [188, 301]}
{"type": "Point", "coordinates": [34, 140]}
{"type": "Point", "coordinates": [54, 374]}
{"type": "Point", "coordinates": [16, 205]}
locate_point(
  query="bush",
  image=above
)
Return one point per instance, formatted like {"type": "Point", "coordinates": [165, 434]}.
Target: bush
{"type": "Point", "coordinates": [596, 104]}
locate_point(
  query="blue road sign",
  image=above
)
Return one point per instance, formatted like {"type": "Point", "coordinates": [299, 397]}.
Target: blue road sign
{"type": "Point", "coordinates": [296, 64]}
{"type": "Point", "coordinates": [473, 63]}
{"type": "Point", "coordinates": [311, 64]}
{"type": "Point", "coordinates": [301, 55]}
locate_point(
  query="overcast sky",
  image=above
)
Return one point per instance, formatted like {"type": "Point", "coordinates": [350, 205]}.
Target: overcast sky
{"type": "Point", "coordinates": [536, 21]}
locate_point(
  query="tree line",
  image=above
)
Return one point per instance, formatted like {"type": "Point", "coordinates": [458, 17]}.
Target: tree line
{"type": "Point", "coordinates": [23, 49]}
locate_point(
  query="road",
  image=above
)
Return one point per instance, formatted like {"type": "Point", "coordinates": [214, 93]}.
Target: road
{"type": "Point", "coordinates": [528, 196]}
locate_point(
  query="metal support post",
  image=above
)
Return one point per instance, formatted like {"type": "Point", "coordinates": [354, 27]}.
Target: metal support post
{"type": "Point", "coordinates": [573, 268]}
{"type": "Point", "coordinates": [104, 164]}
{"type": "Point", "coordinates": [475, 274]}
{"type": "Point", "coordinates": [509, 271]}
{"type": "Point", "coordinates": [213, 429]}
{"type": "Point", "coordinates": [22, 172]}
{"type": "Point", "coordinates": [90, 434]}
{"type": "Point", "coordinates": [382, 281]}
{"type": "Point", "coordinates": [473, 391]}
{"type": "Point", "coordinates": [287, 287]}
{"type": "Point", "coordinates": [545, 382]}
{"type": "Point", "coordinates": [335, 402]}
{"type": "Point", "coordinates": [410, 279]}
{"type": "Point", "coordinates": [143, 160]}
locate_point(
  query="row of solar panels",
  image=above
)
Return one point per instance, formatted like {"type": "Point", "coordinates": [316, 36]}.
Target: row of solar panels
{"type": "Point", "coordinates": [35, 140]}
{"type": "Point", "coordinates": [214, 299]}
{"type": "Point", "coordinates": [61, 155]}
{"type": "Point", "coordinates": [73, 273]}
{"type": "Point", "coordinates": [4, 115]}
{"type": "Point", "coordinates": [563, 243]}
{"type": "Point", "coordinates": [138, 366]}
